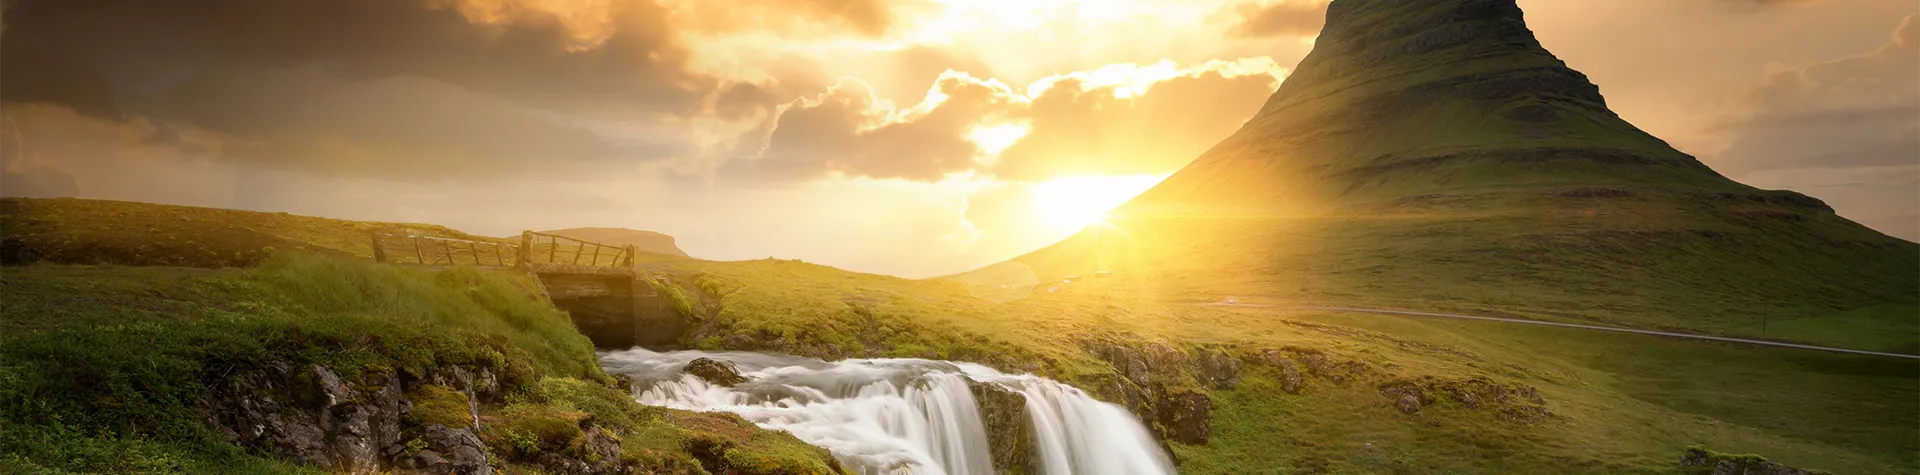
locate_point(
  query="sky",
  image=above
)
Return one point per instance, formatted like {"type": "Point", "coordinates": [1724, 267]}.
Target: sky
{"type": "Point", "coordinates": [905, 137]}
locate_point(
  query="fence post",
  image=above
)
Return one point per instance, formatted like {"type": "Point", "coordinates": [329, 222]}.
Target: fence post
{"type": "Point", "coordinates": [525, 253]}
{"type": "Point", "coordinates": [418, 256]}
{"type": "Point", "coordinates": [379, 253]}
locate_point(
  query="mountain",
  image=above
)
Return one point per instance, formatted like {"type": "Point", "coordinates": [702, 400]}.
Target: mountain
{"type": "Point", "coordinates": [1434, 155]}
{"type": "Point", "coordinates": [646, 241]}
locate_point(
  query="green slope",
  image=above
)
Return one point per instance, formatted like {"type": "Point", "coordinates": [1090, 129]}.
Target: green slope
{"type": "Point", "coordinates": [1432, 155]}
{"type": "Point", "coordinates": [108, 369]}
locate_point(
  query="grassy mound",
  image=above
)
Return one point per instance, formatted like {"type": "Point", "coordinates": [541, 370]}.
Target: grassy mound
{"type": "Point", "coordinates": [102, 368]}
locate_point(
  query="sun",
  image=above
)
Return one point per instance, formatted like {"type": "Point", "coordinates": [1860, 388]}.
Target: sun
{"type": "Point", "coordinates": [1077, 201]}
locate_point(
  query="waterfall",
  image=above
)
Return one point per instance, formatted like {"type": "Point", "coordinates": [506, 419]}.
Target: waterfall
{"type": "Point", "coordinates": [900, 416]}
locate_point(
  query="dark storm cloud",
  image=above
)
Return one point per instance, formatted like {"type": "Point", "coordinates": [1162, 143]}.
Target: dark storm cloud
{"type": "Point", "coordinates": [392, 88]}
{"type": "Point", "coordinates": [138, 46]}
{"type": "Point", "coordinates": [1285, 18]}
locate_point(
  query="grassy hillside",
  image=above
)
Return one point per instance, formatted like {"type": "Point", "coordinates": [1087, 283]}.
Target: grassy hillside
{"type": "Point", "coordinates": [107, 369]}
{"type": "Point", "coordinates": [75, 231]}
{"type": "Point", "coordinates": [1618, 403]}
{"type": "Point", "coordinates": [1433, 156]}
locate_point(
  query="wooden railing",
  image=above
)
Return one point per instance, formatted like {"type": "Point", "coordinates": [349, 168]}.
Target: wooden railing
{"type": "Point", "coordinates": [569, 251]}
{"type": "Point", "coordinates": [435, 251]}
{"type": "Point", "coordinates": [534, 250]}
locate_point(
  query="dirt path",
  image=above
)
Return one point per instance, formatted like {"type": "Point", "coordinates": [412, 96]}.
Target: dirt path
{"type": "Point", "coordinates": [1575, 325]}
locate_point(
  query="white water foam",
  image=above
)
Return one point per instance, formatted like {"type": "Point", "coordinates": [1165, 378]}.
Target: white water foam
{"type": "Point", "coordinates": [900, 416]}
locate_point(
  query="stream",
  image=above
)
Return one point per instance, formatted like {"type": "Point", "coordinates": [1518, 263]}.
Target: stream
{"type": "Point", "coordinates": [899, 416]}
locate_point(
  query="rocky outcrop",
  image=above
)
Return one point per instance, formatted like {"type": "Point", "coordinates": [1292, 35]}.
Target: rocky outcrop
{"type": "Point", "coordinates": [1185, 417]}
{"type": "Point", "coordinates": [1511, 401]}
{"type": "Point", "coordinates": [1700, 461]}
{"type": "Point", "coordinates": [1165, 385]}
{"type": "Point", "coordinates": [307, 414]}
{"type": "Point", "coordinates": [717, 372]}
{"type": "Point", "coordinates": [310, 414]}
{"type": "Point", "coordinates": [1010, 436]}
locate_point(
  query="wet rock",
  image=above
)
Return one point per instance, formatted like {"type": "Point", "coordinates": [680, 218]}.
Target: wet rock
{"type": "Point", "coordinates": [623, 383]}
{"type": "Point", "coordinates": [1010, 437]}
{"type": "Point", "coordinates": [1408, 404]}
{"type": "Point", "coordinates": [717, 372]}
{"type": "Point", "coordinates": [1185, 417]}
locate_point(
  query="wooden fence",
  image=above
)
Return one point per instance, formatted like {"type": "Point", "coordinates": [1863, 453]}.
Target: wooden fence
{"type": "Point", "coordinates": [539, 249]}
{"type": "Point", "coordinates": [435, 251]}
{"type": "Point", "coordinates": [542, 248]}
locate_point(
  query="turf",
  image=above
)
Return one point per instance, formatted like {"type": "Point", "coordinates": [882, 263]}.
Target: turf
{"type": "Point", "coordinates": [101, 368]}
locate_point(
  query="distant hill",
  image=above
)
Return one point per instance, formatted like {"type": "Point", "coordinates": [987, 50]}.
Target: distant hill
{"type": "Point", "coordinates": [1434, 155]}
{"type": "Point", "coordinates": [646, 241]}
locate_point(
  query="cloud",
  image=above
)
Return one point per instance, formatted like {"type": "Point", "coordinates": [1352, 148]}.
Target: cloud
{"type": "Point", "coordinates": [816, 18]}
{"type": "Point", "coordinates": [1850, 117]}
{"type": "Point", "coordinates": [1860, 110]}
{"type": "Point", "coordinates": [1282, 18]}
{"type": "Point", "coordinates": [51, 150]}
{"type": "Point", "coordinates": [1119, 119]}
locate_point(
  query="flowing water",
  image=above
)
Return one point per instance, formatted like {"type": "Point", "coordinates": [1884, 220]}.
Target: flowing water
{"type": "Point", "coordinates": [900, 416]}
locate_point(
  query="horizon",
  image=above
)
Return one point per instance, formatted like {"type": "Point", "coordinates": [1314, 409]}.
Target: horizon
{"type": "Point", "coordinates": [912, 147]}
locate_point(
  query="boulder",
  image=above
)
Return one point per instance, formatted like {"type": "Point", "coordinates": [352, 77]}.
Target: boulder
{"type": "Point", "coordinates": [716, 372]}
{"type": "Point", "coordinates": [1010, 437]}
{"type": "Point", "coordinates": [447, 450]}
{"type": "Point", "coordinates": [1290, 377]}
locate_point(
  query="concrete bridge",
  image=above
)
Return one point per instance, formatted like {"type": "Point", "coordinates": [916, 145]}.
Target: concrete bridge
{"type": "Point", "coordinates": [608, 296]}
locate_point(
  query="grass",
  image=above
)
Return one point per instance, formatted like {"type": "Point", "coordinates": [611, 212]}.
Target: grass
{"type": "Point", "coordinates": [101, 368]}
{"type": "Point", "coordinates": [1621, 403]}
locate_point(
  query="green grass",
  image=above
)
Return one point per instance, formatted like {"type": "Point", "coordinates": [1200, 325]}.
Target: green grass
{"type": "Point", "coordinates": [1621, 403]}
{"type": "Point", "coordinates": [101, 368]}
{"type": "Point", "coordinates": [1891, 328]}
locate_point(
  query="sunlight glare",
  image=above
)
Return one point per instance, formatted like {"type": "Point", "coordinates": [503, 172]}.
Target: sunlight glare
{"type": "Point", "coordinates": [1077, 201]}
{"type": "Point", "coordinates": [993, 139]}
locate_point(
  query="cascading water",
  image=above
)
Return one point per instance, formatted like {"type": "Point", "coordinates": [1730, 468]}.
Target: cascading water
{"type": "Point", "coordinates": [900, 416]}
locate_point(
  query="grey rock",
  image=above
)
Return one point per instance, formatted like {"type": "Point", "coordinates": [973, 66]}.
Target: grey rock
{"type": "Point", "coordinates": [1408, 404]}
{"type": "Point", "coordinates": [1219, 369]}
{"type": "Point", "coordinates": [450, 450]}
{"type": "Point", "coordinates": [1290, 377]}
